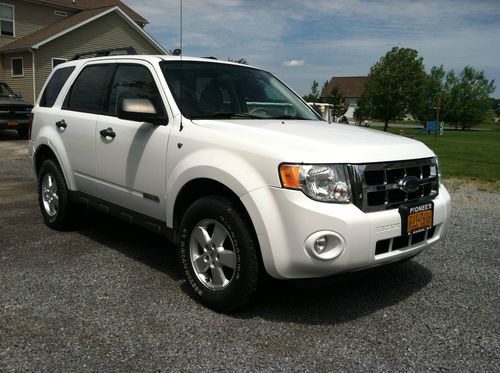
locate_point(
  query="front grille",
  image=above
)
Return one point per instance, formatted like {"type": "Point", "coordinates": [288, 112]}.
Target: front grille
{"type": "Point", "coordinates": [377, 186]}
{"type": "Point", "coordinates": [403, 242]}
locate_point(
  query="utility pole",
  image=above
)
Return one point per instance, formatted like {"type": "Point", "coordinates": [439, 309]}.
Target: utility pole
{"type": "Point", "coordinates": [438, 107]}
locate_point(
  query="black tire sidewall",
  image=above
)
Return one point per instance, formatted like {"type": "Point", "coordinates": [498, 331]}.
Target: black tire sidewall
{"type": "Point", "coordinates": [244, 282]}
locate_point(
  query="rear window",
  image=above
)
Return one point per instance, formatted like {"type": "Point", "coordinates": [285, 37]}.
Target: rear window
{"type": "Point", "coordinates": [55, 85]}
{"type": "Point", "coordinates": [89, 88]}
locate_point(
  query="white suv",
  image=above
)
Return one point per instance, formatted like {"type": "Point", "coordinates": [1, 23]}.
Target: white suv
{"type": "Point", "coordinates": [233, 167]}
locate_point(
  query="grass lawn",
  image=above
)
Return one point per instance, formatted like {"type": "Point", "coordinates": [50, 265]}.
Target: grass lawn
{"type": "Point", "coordinates": [472, 155]}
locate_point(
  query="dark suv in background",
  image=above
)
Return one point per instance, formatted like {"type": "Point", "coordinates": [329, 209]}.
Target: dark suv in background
{"type": "Point", "coordinates": [14, 112]}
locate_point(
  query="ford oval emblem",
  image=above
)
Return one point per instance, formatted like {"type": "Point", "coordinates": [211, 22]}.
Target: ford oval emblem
{"type": "Point", "coordinates": [409, 184]}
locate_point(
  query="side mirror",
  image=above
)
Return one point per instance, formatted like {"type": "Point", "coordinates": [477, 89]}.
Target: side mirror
{"type": "Point", "coordinates": [139, 110]}
{"type": "Point", "coordinates": [18, 95]}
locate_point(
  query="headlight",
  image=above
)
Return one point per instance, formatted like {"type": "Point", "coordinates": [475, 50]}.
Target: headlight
{"type": "Point", "coordinates": [326, 183]}
{"type": "Point", "coordinates": [435, 171]}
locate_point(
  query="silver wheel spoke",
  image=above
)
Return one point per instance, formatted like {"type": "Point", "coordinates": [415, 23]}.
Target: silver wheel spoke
{"type": "Point", "coordinates": [213, 258]}
{"type": "Point", "coordinates": [218, 277]}
{"type": "Point", "coordinates": [219, 235]}
{"type": "Point", "coordinates": [49, 195]}
{"type": "Point", "coordinates": [200, 264]}
{"type": "Point", "coordinates": [227, 258]}
{"type": "Point", "coordinates": [201, 236]}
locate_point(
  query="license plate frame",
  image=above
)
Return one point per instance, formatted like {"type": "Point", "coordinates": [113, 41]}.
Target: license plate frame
{"type": "Point", "coordinates": [12, 122]}
{"type": "Point", "coordinates": [416, 218]}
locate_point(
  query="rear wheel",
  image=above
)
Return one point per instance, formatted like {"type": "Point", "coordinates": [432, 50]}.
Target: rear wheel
{"type": "Point", "coordinates": [53, 197]}
{"type": "Point", "coordinates": [218, 253]}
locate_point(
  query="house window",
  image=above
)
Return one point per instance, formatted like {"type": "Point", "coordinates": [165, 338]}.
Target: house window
{"type": "Point", "coordinates": [17, 67]}
{"type": "Point", "coordinates": [57, 61]}
{"type": "Point", "coordinates": [6, 20]}
{"type": "Point", "coordinates": [60, 13]}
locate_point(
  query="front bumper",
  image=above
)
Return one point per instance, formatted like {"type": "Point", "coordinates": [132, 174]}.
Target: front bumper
{"type": "Point", "coordinates": [13, 124]}
{"type": "Point", "coordinates": [284, 219]}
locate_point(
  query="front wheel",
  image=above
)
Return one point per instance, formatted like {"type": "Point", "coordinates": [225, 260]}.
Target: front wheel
{"type": "Point", "coordinates": [218, 253]}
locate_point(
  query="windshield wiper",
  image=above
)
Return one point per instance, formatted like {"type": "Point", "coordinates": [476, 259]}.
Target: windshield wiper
{"type": "Point", "coordinates": [225, 115]}
{"type": "Point", "coordinates": [285, 117]}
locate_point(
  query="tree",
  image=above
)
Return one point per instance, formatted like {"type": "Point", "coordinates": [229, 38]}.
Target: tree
{"type": "Point", "coordinates": [495, 106]}
{"type": "Point", "coordinates": [242, 61]}
{"type": "Point", "coordinates": [433, 88]}
{"type": "Point", "coordinates": [395, 85]}
{"type": "Point", "coordinates": [314, 95]}
{"type": "Point", "coordinates": [466, 99]}
{"type": "Point", "coordinates": [337, 99]}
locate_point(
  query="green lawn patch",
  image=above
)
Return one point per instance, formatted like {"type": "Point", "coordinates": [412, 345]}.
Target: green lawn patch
{"type": "Point", "coordinates": [473, 155]}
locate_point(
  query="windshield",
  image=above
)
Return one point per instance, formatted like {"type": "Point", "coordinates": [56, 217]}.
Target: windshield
{"type": "Point", "coordinates": [208, 90]}
{"type": "Point", "coordinates": [5, 91]}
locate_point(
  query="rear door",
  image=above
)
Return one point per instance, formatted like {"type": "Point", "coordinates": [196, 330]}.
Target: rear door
{"type": "Point", "coordinates": [76, 121]}
{"type": "Point", "coordinates": [131, 167]}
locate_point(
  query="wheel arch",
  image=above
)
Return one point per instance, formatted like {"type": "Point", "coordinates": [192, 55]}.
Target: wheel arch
{"type": "Point", "coordinates": [45, 151]}
{"type": "Point", "coordinates": [199, 188]}
{"type": "Point", "coordinates": [203, 187]}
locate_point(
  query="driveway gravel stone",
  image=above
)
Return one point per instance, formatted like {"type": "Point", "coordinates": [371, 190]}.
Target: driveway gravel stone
{"type": "Point", "coordinates": [109, 296]}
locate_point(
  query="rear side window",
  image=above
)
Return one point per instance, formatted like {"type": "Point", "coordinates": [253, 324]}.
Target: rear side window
{"type": "Point", "coordinates": [55, 85]}
{"type": "Point", "coordinates": [133, 81]}
{"type": "Point", "coordinates": [89, 89]}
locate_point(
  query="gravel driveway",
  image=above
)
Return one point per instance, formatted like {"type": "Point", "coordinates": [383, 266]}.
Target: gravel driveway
{"type": "Point", "coordinates": [110, 297]}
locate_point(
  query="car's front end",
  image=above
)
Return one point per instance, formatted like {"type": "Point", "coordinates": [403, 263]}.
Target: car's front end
{"type": "Point", "coordinates": [323, 198]}
{"type": "Point", "coordinates": [14, 112]}
{"type": "Point", "coordinates": [363, 216]}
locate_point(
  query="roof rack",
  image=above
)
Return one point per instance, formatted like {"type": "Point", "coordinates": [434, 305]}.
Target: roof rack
{"type": "Point", "coordinates": [105, 52]}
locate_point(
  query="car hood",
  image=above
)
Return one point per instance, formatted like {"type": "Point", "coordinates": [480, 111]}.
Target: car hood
{"type": "Point", "coordinates": [317, 141]}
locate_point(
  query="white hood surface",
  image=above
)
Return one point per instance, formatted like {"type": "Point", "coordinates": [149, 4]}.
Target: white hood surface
{"type": "Point", "coordinates": [319, 142]}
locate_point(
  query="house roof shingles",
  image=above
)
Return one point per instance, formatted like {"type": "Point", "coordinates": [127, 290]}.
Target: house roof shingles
{"type": "Point", "coordinates": [95, 4]}
{"type": "Point", "coordinates": [349, 86]}
{"type": "Point", "coordinates": [38, 36]}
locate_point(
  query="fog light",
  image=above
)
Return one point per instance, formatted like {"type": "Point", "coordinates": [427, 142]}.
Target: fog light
{"type": "Point", "coordinates": [320, 244]}
{"type": "Point", "coordinates": [324, 245]}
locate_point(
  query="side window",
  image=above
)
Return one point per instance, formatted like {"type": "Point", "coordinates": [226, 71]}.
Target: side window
{"type": "Point", "coordinates": [133, 81]}
{"type": "Point", "coordinates": [89, 89]}
{"type": "Point", "coordinates": [55, 85]}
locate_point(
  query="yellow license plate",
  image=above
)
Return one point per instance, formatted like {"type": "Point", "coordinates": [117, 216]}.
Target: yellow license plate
{"type": "Point", "coordinates": [12, 122]}
{"type": "Point", "coordinates": [420, 218]}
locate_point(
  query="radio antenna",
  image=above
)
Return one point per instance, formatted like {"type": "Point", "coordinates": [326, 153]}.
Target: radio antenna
{"type": "Point", "coordinates": [180, 24]}
{"type": "Point", "coordinates": [180, 57]}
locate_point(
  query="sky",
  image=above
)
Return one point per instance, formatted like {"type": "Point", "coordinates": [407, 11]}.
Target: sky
{"type": "Point", "coordinates": [301, 41]}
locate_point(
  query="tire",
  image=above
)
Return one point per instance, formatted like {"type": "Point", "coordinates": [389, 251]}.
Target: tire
{"type": "Point", "coordinates": [218, 254]}
{"type": "Point", "coordinates": [53, 197]}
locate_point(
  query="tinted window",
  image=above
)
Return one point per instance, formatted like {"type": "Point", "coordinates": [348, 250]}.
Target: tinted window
{"type": "Point", "coordinates": [133, 81]}
{"type": "Point", "coordinates": [55, 85]}
{"type": "Point", "coordinates": [89, 89]}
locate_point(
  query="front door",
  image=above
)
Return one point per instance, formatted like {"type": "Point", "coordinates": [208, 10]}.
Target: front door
{"type": "Point", "coordinates": [131, 166]}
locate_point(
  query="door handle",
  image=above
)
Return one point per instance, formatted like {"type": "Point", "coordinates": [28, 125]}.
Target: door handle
{"type": "Point", "coordinates": [108, 132]}
{"type": "Point", "coordinates": [61, 124]}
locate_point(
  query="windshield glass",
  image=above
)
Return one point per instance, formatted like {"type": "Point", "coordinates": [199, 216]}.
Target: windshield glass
{"type": "Point", "coordinates": [5, 91]}
{"type": "Point", "coordinates": [214, 90]}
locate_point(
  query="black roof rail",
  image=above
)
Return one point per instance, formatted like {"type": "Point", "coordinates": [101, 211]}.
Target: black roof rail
{"type": "Point", "coordinates": [105, 52]}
